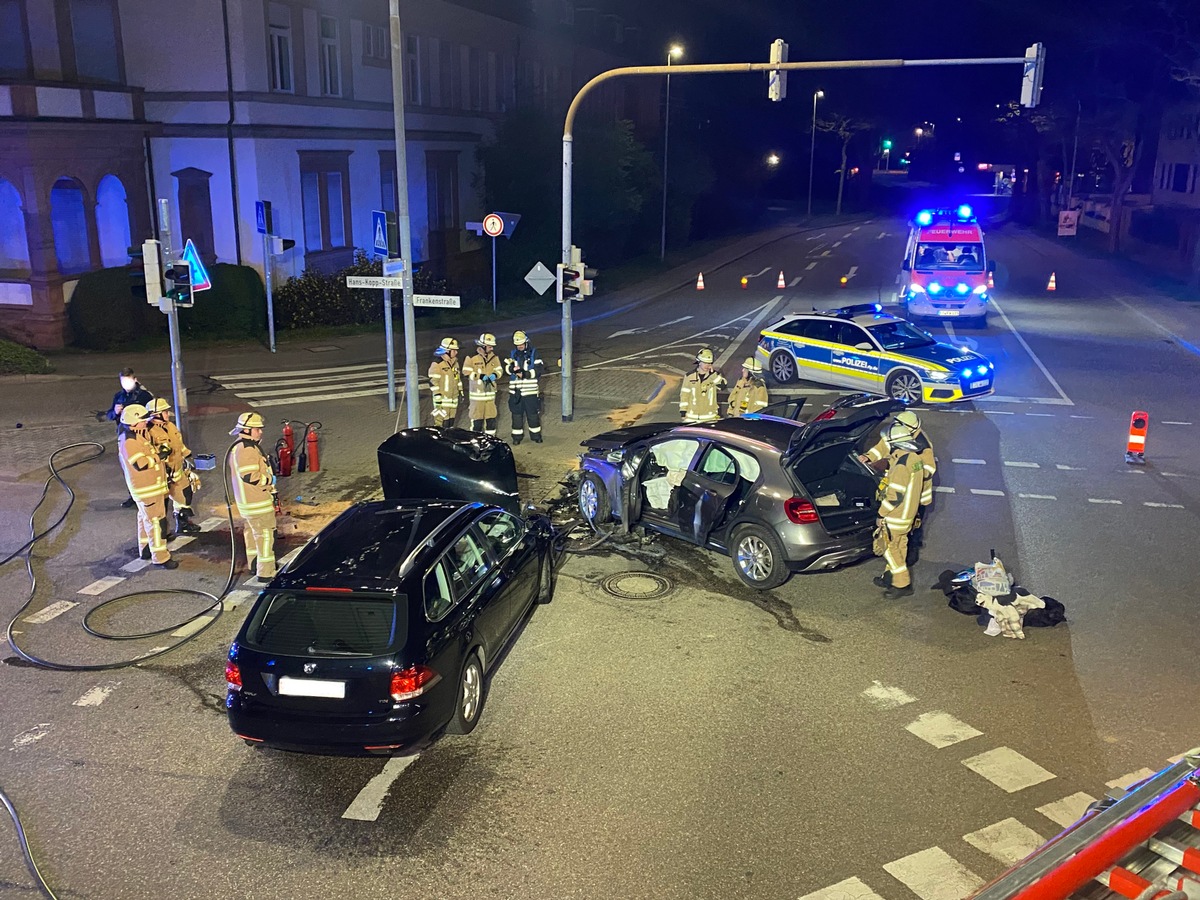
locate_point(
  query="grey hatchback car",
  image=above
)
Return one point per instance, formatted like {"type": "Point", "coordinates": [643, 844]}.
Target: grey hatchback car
{"type": "Point", "coordinates": [778, 495]}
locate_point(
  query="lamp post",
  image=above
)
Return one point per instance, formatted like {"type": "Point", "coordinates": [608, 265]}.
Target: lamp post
{"type": "Point", "coordinates": [772, 160]}
{"type": "Point", "coordinates": [919, 132]}
{"type": "Point", "coordinates": [812, 150]}
{"type": "Point", "coordinates": [674, 53]}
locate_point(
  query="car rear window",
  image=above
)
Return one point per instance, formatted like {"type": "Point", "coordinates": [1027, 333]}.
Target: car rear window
{"type": "Point", "coordinates": [307, 623]}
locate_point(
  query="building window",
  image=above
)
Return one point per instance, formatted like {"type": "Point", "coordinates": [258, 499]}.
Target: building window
{"type": "Point", "coordinates": [477, 75]}
{"type": "Point", "coordinates": [69, 220]}
{"type": "Point", "coordinates": [1179, 178]}
{"type": "Point", "coordinates": [14, 247]}
{"type": "Point", "coordinates": [377, 45]}
{"type": "Point", "coordinates": [441, 176]}
{"type": "Point", "coordinates": [94, 32]}
{"type": "Point", "coordinates": [451, 75]}
{"type": "Point", "coordinates": [389, 196]}
{"type": "Point", "coordinates": [325, 199]}
{"type": "Point", "coordinates": [195, 210]}
{"type": "Point", "coordinates": [414, 84]}
{"type": "Point", "coordinates": [14, 55]}
{"type": "Point", "coordinates": [331, 58]}
{"type": "Point", "coordinates": [281, 48]}
{"type": "Point", "coordinates": [112, 221]}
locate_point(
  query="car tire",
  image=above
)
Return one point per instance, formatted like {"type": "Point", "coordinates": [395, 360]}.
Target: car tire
{"type": "Point", "coordinates": [472, 689]}
{"type": "Point", "coordinates": [593, 500]}
{"type": "Point", "coordinates": [782, 367]}
{"type": "Point", "coordinates": [757, 556]}
{"type": "Point", "coordinates": [905, 386]}
{"type": "Point", "coordinates": [546, 578]}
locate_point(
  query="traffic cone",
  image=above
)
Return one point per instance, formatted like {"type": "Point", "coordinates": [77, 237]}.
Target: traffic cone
{"type": "Point", "coordinates": [781, 284]}
{"type": "Point", "coordinates": [745, 281]}
{"type": "Point", "coordinates": [1050, 285]}
{"type": "Point", "coordinates": [991, 282]}
{"type": "Point", "coordinates": [700, 282]}
{"type": "Point", "coordinates": [1135, 447]}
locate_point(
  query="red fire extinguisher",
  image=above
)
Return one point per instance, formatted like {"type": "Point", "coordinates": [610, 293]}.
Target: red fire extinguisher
{"type": "Point", "coordinates": [283, 458]}
{"type": "Point", "coordinates": [289, 437]}
{"type": "Point", "coordinates": [310, 442]}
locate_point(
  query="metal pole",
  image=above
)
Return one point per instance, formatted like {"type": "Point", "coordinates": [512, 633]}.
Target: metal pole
{"type": "Point", "coordinates": [493, 274]}
{"type": "Point", "coordinates": [662, 252]}
{"type": "Point", "coordinates": [267, 260]}
{"type": "Point", "coordinates": [812, 152]}
{"type": "Point", "coordinates": [167, 305]}
{"type": "Point", "coordinates": [411, 378]}
{"type": "Point", "coordinates": [568, 380]}
{"type": "Point", "coordinates": [389, 344]}
{"type": "Point", "coordinates": [1074, 151]}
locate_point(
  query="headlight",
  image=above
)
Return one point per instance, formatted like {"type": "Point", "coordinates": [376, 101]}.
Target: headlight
{"type": "Point", "coordinates": [916, 289]}
{"type": "Point", "coordinates": [940, 376]}
{"type": "Point", "coordinates": [966, 373]}
{"type": "Point", "coordinates": [935, 288]}
{"type": "Point", "coordinates": [982, 289]}
{"type": "Point", "coordinates": [982, 370]}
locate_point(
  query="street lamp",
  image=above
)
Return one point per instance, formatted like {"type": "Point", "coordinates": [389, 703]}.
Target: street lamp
{"type": "Point", "coordinates": [773, 160]}
{"type": "Point", "coordinates": [812, 151]}
{"type": "Point", "coordinates": [919, 132]}
{"type": "Point", "coordinates": [673, 54]}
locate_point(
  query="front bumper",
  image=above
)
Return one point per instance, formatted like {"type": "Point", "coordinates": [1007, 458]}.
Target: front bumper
{"type": "Point", "coordinates": [969, 307]}
{"type": "Point", "coordinates": [954, 391]}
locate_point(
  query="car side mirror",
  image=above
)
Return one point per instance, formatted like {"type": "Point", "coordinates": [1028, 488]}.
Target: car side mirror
{"type": "Point", "coordinates": [906, 266]}
{"type": "Point", "coordinates": [991, 265]}
{"type": "Point", "coordinates": [863, 346]}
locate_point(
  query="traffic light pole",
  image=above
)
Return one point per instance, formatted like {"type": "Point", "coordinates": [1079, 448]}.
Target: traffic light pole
{"type": "Point", "coordinates": [167, 305]}
{"type": "Point", "coordinates": [404, 223]}
{"type": "Point", "coordinates": [269, 258]}
{"type": "Point", "coordinates": [568, 405]}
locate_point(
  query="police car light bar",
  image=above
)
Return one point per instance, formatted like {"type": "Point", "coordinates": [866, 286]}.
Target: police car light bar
{"type": "Point", "coordinates": [964, 213]}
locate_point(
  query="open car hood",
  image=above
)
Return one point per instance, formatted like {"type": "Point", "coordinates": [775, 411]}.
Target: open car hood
{"type": "Point", "coordinates": [448, 464]}
{"type": "Point", "coordinates": [845, 422]}
{"type": "Point", "coordinates": [620, 438]}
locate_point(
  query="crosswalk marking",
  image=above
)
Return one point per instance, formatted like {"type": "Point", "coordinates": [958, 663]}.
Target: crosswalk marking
{"type": "Point", "coordinates": [1068, 810]}
{"type": "Point", "coordinates": [887, 697]}
{"type": "Point", "coordinates": [940, 729]}
{"type": "Point", "coordinates": [288, 387]}
{"type": "Point", "coordinates": [291, 373]}
{"type": "Point", "coordinates": [850, 889]}
{"type": "Point", "coordinates": [934, 874]}
{"type": "Point", "coordinates": [1008, 841]}
{"type": "Point", "coordinates": [1007, 769]}
{"type": "Point", "coordinates": [1126, 781]}
{"type": "Point", "coordinates": [373, 372]}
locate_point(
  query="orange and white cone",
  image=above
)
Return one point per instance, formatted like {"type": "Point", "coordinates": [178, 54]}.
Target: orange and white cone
{"type": "Point", "coordinates": [781, 284]}
{"type": "Point", "coordinates": [700, 282]}
{"type": "Point", "coordinates": [991, 282]}
{"type": "Point", "coordinates": [1050, 285]}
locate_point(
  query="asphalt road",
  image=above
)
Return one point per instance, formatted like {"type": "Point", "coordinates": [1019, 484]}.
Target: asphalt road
{"type": "Point", "coordinates": [713, 742]}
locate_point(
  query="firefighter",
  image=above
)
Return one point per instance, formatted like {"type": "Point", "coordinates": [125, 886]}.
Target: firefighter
{"type": "Point", "coordinates": [131, 392]}
{"type": "Point", "coordinates": [524, 368]}
{"type": "Point", "coordinates": [879, 451]}
{"type": "Point", "coordinates": [749, 394]}
{"type": "Point", "coordinates": [698, 396]}
{"type": "Point", "coordinates": [898, 510]}
{"type": "Point", "coordinates": [483, 371]}
{"type": "Point", "coordinates": [254, 491]}
{"type": "Point", "coordinates": [146, 477]}
{"type": "Point", "coordinates": [182, 480]}
{"type": "Point", "coordinates": [445, 380]}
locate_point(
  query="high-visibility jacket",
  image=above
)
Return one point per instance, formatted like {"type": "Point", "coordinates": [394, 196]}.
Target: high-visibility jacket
{"type": "Point", "coordinates": [698, 396]}
{"type": "Point", "coordinates": [748, 395]}
{"type": "Point", "coordinates": [524, 368]}
{"type": "Point", "coordinates": [483, 373]}
{"type": "Point", "coordinates": [902, 491]}
{"type": "Point", "coordinates": [251, 476]}
{"type": "Point", "coordinates": [167, 437]}
{"type": "Point", "coordinates": [445, 381]}
{"type": "Point", "coordinates": [928, 461]}
{"type": "Point", "coordinates": [145, 473]}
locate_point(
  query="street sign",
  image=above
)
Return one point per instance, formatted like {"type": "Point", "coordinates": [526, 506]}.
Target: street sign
{"type": "Point", "coordinates": [200, 279]}
{"type": "Point", "coordinates": [373, 281]}
{"type": "Point", "coordinates": [262, 216]}
{"type": "Point", "coordinates": [447, 301]}
{"type": "Point", "coordinates": [393, 266]}
{"type": "Point", "coordinates": [383, 230]}
{"type": "Point", "coordinates": [540, 278]}
{"type": "Point", "coordinates": [493, 225]}
{"type": "Point", "coordinates": [1068, 223]}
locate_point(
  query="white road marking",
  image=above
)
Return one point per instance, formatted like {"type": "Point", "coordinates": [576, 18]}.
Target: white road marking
{"type": "Point", "coordinates": [836, 244]}
{"type": "Point", "coordinates": [1127, 781]}
{"type": "Point", "coordinates": [987, 492]}
{"type": "Point", "coordinates": [944, 490]}
{"type": "Point", "coordinates": [969, 462]}
{"type": "Point", "coordinates": [994, 412]}
{"type": "Point", "coordinates": [1082, 417]}
{"type": "Point", "coordinates": [795, 281]}
{"type": "Point", "coordinates": [30, 736]}
{"type": "Point", "coordinates": [1101, 500]}
{"type": "Point", "coordinates": [288, 401]}
{"type": "Point", "coordinates": [950, 331]}
{"type": "Point", "coordinates": [1021, 340]}
{"type": "Point", "coordinates": [179, 542]}
{"type": "Point", "coordinates": [816, 237]}
{"type": "Point", "coordinates": [300, 390]}
{"type": "Point", "coordinates": [750, 326]}
{"type": "Point", "coordinates": [1043, 415]}
{"type": "Point", "coordinates": [721, 337]}
{"type": "Point", "coordinates": [764, 271]}
{"type": "Point", "coordinates": [627, 331]}
{"type": "Point", "coordinates": [1044, 401]}
{"type": "Point", "coordinates": [1063, 468]}
{"type": "Point", "coordinates": [934, 874]}
{"type": "Point", "coordinates": [1164, 505]}
{"type": "Point", "coordinates": [367, 806]}
{"type": "Point", "coordinates": [812, 265]}
{"type": "Point", "coordinates": [940, 729]}
{"type": "Point", "coordinates": [1007, 769]}
{"type": "Point", "coordinates": [1037, 496]}
{"type": "Point", "coordinates": [676, 321]}
{"type": "Point", "coordinates": [50, 612]}
{"type": "Point", "coordinates": [1174, 475]}
{"type": "Point", "coordinates": [848, 234]}
{"type": "Point", "coordinates": [1022, 465]}
{"type": "Point", "coordinates": [1008, 841]}
{"type": "Point", "coordinates": [1136, 471]}
{"type": "Point", "coordinates": [855, 228]}
{"type": "Point", "coordinates": [350, 379]}
{"type": "Point", "coordinates": [211, 523]}
{"type": "Point", "coordinates": [100, 585]}
{"type": "Point", "coordinates": [97, 695]}
{"type": "Point", "coordinates": [1166, 422]}
{"type": "Point", "coordinates": [234, 599]}
{"type": "Point", "coordinates": [292, 373]}
{"type": "Point", "coordinates": [887, 697]}
{"type": "Point", "coordinates": [1068, 810]}
{"type": "Point", "coordinates": [192, 627]}
{"type": "Point", "coordinates": [850, 889]}
{"type": "Point", "coordinates": [881, 235]}
{"type": "Point", "coordinates": [154, 650]}
{"type": "Point", "coordinates": [136, 566]}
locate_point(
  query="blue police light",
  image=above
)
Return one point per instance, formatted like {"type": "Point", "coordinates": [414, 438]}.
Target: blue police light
{"type": "Point", "coordinates": [924, 217]}
{"type": "Point", "coordinates": [965, 211]}
{"type": "Point", "coordinates": [990, 366]}
{"type": "Point", "coordinates": [934, 287]}
{"type": "Point", "coordinates": [878, 308]}
{"type": "Point", "coordinates": [961, 288]}
{"type": "Point", "coordinates": [966, 373]}
{"type": "Point", "coordinates": [982, 370]}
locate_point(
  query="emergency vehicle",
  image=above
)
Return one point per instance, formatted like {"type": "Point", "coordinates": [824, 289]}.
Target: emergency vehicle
{"type": "Point", "coordinates": [945, 272]}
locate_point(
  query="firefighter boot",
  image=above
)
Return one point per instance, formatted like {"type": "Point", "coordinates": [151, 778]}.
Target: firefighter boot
{"type": "Point", "coordinates": [184, 523]}
{"type": "Point", "coordinates": [895, 593]}
{"type": "Point", "coordinates": [883, 581]}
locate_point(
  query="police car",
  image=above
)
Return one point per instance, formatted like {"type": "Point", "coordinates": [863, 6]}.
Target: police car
{"type": "Point", "coordinates": [865, 349]}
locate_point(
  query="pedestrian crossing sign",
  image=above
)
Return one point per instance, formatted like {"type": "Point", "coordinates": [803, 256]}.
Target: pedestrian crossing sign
{"type": "Point", "coordinates": [200, 279]}
{"type": "Point", "coordinates": [383, 231]}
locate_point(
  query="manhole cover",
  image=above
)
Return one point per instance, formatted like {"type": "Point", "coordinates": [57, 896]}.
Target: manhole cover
{"type": "Point", "coordinates": [637, 585]}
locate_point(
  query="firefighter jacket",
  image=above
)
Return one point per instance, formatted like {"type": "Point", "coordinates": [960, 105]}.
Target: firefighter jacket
{"type": "Point", "coordinates": [748, 395]}
{"type": "Point", "coordinates": [124, 398]}
{"type": "Point", "coordinates": [928, 462]}
{"type": "Point", "coordinates": [698, 396]}
{"type": "Point", "coordinates": [167, 437]}
{"type": "Point", "coordinates": [145, 473]}
{"type": "Point", "coordinates": [445, 380]}
{"type": "Point", "coordinates": [252, 479]}
{"type": "Point", "coordinates": [902, 491]}
{"type": "Point", "coordinates": [524, 368]}
{"type": "Point", "coordinates": [483, 374]}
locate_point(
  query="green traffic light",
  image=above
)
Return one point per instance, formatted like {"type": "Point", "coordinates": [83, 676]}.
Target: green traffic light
{"type": "Point", "coordinates": [887, 145]}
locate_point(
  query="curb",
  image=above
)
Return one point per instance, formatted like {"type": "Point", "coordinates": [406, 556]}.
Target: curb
{"type": "Point", "coordinates": [37, 379]}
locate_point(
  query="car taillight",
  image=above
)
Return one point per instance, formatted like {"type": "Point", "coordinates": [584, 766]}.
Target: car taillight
{"type": "Point", "coordinates": [826, 416]}
{"type": "Point", "coordinates": [800, 511]}
{"type": "Point", "coordinates": [233, 676]}
{"type": "Point", "coordinates": [410, 683]}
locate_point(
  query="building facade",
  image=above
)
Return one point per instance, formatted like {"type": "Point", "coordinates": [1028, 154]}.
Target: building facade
{"type": "Point", "coordinates": [216, 104]}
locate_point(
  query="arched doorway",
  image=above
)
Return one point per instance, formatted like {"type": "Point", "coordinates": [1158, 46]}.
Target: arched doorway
{"type": "Point", "coordinates": [69, 220]}
{"type": "Point", "coordinates": [112, 221]}
{"type": "Point", "coordinates": [14, 246]}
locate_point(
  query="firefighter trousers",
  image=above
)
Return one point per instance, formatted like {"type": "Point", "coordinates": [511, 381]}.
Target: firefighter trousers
{"type": "Point", "coordinates": [151, 514]}
{"type": "Point", "coordinates": [895, 554]}
{"type": "Point", "coordinates": [443, 414]}
{"type": "Point", "coordinates": [526, 409]}
{"type": "Point", "coordinates": [259, 535]}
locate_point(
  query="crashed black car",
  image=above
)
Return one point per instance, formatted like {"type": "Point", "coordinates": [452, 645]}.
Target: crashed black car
{"type": "Point", "coordinates": [775, 493]}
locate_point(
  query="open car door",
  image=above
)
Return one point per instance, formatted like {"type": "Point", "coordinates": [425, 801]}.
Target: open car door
{"type": "Point", "coordinates": [706, 490]}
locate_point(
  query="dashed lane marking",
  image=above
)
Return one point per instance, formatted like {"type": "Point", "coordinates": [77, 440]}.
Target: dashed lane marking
{"type": "Point", "coordinates": [850, 889]}
{"type": "Point", "coordinates": [940, 729]}
{"type": "Point", "coordinates": [812, 265]}
{"type": "Point", "coordinates": [827, 253]}
{"type": "Point", "coordinates": [1073, 416]}
{"type": "Point", "coordinates": [135, 566]}
{"type": "Point", "coordinates": [154, 650]}
{"type": "Point", "coordinates": [1037, 496]}
{"type": "Point", "coordinates": [934, 874]}
{"type": "Point", "coordinates": [816, 237]}
{"type": "Point", "coordinates": [836, 244]}
{"type": "Point", "coordinates": [1063, 468]}
{"type": "Point", "coordinates": [1068, 810]}
{"type": "Point", "coordinates": [1021, 465]}
{"type": "Point", "coordinates": [942, 489]}
{"type": "Point", "coordinates": [1007, 769]}
{"type": "Point", "coordinates": [795, 281]}
{"type": "Point", "coordinates": [179, 542]}
{"type": "Point", "coordinates": [1042, 415]}
{"type": "Point", "coordinates": [969, 462]}
{"type": "Point", "coordinates": [881, 235]}
{"type": "Point", "coordinates": [234, 599]}
{"type": "Point", "coordinates": [54, 610]}
{"type": "Point", "coordinates": [100, 585]}
{"type": "Point", "coordinates": [1166, 422]}
{"type": "Point", "coordinates": [1174, 475]}
{"type": "Point", "coordinates": [987, 492]}
{"type": "Point", "coordinates": [30, 736]}
{"type": "Point", "coordinates": [887, 697]}
{"type": "Point", "coordinates": [94, 696]}
{"type": "Point", "coordinates": [211, 523]}
{"type": "Point", "coordinates": [368, 804]}
{"type": "Point", "coordinates": [1164, 505]}
{"type": "Point", "coordinates": [1126, 781]}
{"type": "Point", "coordinates": [192, 627]}
{"type": "Point", "coordinates": [991, 412]}
{"type": "Point", "coordinates": [848, 235]}
{"type": "Point", "coordinates": [1104, 500]}
{"type": "Point", "coordinates": [1007, 840]}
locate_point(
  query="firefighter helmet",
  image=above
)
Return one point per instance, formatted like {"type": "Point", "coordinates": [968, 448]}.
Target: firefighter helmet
{"type": "Point", "coordinates": [449, 343]}
{"type": "Point", "coordinates": [134, 414]}
{"type": "Point", "coordinates": [487, 339]}
{"type": "Point", "coordinates": [910, 420]}
{"type": "Point", "coordinates": [246, 421]}
{"type": "Point", "coordinates": [158, 405]}
{"type": "Point", "coordinates": [520, 337]}
{"type": "Point", "coordinates": [899, 435]}
{"type": "Point", "coordinates": [752, 365]}
{"type": "Point", "coordinates": [705, 356]}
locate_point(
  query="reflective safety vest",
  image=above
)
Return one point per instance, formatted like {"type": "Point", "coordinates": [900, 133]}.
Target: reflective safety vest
{"type": "Point", "coordinates": [698, 396]}
{"type": "Point", "coordinates": [902, 491]}
{"type": "Point", "coordinates": [167, 437]}
{"type": "Point", "coordinates": [250, 474]}
{"type": "Point", "coordinates": [748, 395]}
{"type": "Point", "coordinates": [145, 474]}
{"type": "Point", "coordinates": [484, 373]}
{"type": "Point", "coordinates": [524, 368]}
{"type": "Point", "coordinates": [928, 461]}
{"type": "Point", "coordinates": [445, 381]}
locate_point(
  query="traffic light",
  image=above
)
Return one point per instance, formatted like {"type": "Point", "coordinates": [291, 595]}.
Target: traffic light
{"type": "Point", "coordinates": [180, 277]}
{"type": "Point", "coordinates": [887, 145]}
{"type": "Point", "coordinates": [1031, 81]}
{"type": "Point", "coordinates": [145, 271]}
{"type": "Point", "coordinates": [570, 281]}
{"type": "Point", "coordinates": [777, 80]}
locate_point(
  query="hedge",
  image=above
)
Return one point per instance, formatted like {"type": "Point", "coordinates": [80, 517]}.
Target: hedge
{"type": "Point", "coordinates": [235, 306]}
{"type": "Point", "coordinates": [18, 360]}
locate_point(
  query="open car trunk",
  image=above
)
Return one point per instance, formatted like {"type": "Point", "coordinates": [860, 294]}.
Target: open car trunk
{"type": "Point", "coordinates": [841, 488]}
{"type": "Point", "coordinates": [448, 464]}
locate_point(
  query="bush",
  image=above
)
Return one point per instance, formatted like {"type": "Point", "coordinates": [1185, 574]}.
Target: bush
{"type": "Point", "coordinates": [235, 306]}
{"type": "Point", "coordinates": [106, 313]}
{"type": "Point", "coordinates": [18, 360]}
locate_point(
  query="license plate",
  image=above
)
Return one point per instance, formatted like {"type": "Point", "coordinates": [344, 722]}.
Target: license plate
{"type": "Point", "coordinates": [312, 687]}
{"type": "Point", "coordinates": [948, 312]}
{"type": "Point", "coordinates": [976, 385]}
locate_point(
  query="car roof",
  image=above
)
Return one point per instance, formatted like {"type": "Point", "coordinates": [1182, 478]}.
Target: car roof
{"type": "Point", "coordinates": [373, 544]}
{"type": "Point", "coordinates": [775, 433]}
{"type": "Point", "coordinates": [865, 314]}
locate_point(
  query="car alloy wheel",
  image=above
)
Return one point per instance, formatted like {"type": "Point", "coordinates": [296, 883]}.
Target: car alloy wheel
{"type": "Point", "coordinates": [783, 367]}
{"type": "Point", "coordinates": [758, 557]}
{"type": "Point", "coordinates": [593, 500]}
{"type": "Point", "coordinates": [905, 387]}
{"type": "Point", "coordinates": [471, 689]}
{"type": "Point", "coordinates": [754, 557]}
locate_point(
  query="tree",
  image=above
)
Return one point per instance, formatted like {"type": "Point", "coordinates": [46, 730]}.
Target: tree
{"type": "Point", "coordinates": [845, 127]}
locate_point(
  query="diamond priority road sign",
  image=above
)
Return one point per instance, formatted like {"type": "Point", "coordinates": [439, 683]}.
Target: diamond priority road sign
{"type": "Point", "coordinates": [540, 278]}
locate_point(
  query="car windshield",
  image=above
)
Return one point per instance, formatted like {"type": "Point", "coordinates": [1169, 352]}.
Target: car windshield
{"type": "Point", "coordinates": [899, 335]}
{"type": "Point", "coordinates": [951, 256]}
{"type": "Point", "coordinates": [336, 624]}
